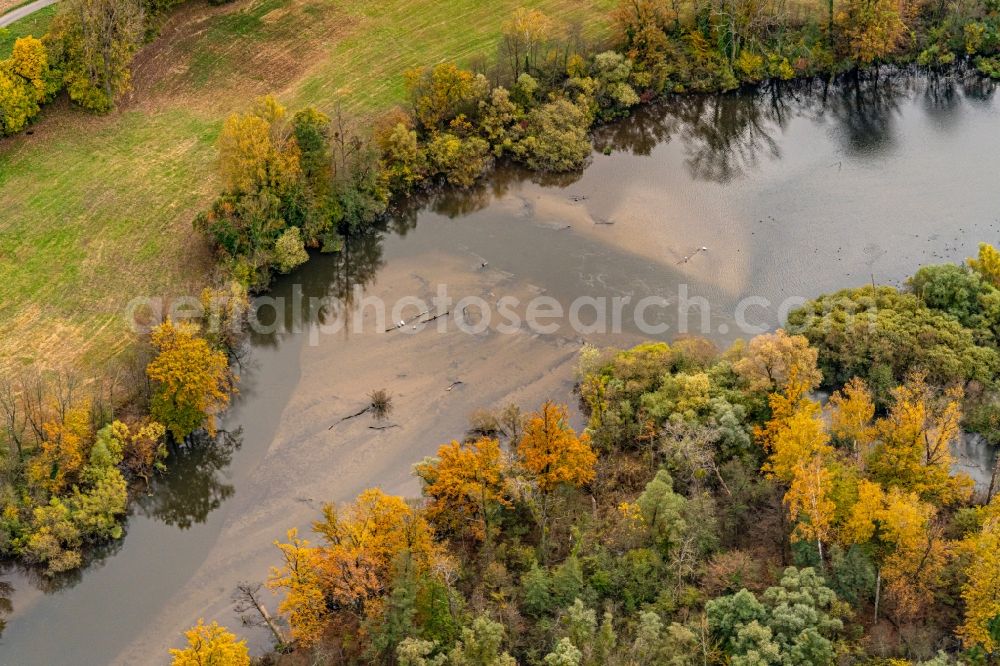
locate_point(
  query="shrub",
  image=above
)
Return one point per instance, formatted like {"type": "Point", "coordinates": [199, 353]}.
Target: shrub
{"type": "Point", "coordinates": [555, 137]}
{"type": "Point", "coordinates": [289, 250]}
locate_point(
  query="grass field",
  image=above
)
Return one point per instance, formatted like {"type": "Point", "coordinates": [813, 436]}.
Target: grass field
{"type": "Point", "coordinates": [97, 210]}
{"type": "Point", "coordinates": [36, 25]}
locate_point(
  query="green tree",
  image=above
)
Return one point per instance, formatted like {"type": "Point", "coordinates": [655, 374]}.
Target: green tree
{"type": "Point", "coordinates": [793, 624]}
{"type": "Point", "coordinates": [881, 335]}
{"type": "Point", "coordinates": [555, 137]}
{"type": "Point", "coordinates": [662, 511]}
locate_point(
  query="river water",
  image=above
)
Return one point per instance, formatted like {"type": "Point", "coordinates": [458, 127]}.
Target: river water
{"type": "Point", "coordinates": [791, 191]}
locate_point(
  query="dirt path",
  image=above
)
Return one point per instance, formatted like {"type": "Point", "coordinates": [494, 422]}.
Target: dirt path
{"type": "Point", "coordinates": [26, 10]}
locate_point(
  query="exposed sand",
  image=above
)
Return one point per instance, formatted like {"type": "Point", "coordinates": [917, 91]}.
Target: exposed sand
{"type": "Point", "coordinates": [309, 463]}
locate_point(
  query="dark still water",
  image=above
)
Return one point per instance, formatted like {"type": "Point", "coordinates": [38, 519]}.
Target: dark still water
{"type": "Point", "coordinates": [791, 190]}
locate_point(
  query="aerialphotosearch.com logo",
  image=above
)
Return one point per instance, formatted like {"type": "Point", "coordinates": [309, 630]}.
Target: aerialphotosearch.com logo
{"type": "Point", "coordinates": [361, 313]}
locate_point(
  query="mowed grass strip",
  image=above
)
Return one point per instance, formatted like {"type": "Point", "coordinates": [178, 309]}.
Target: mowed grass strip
{"type": "Point", "coordinates": [35, 25]}
{"type": "Point", "coordinates": [96, 210]}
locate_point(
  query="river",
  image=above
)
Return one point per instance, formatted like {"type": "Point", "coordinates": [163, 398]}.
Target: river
{"type": "Point", "coordinates": [791, 191]}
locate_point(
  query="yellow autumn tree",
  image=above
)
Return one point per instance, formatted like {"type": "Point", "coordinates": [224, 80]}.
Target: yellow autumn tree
{"type": "Point", "coordinates": [771, 363]}
{"type": "Point", "coordinates": [795, 433]}
{"type": "Point", "coordinates": [913, 451]}
{"type": "Point", "coordinates": [874, 28]}
{"type": "Point", "coordinates": [63, 452]}
{"type": "Point", "coordinates": [987, 264]}
{"type": "Point", "coordinates": [809, 502]}
{"type": "Point", "coordinates": [300, 577]}
{"type": "Point", "coordinates": [523, 39]}
{"type": "Point", "coordinates": [211, 645]}
{"type": "Point", "coordinates": [909, 548]}
{"type": "Point", "coordinates": [22, 84]}
{"type": "Point", "coordinates": [467, 487]}
{"type": "Point", "coordinates": [981, 592]}
{"type": "Point", "coordinates": [851, 410]}
{"type": "Point", "coordinates": [352, 570]}
{"type": "Point", "coordinates": [257, 152]}
{"type": "Point", "coordinates": [192, 381]}
{"type": "Point", "coordinates": [364, 539]}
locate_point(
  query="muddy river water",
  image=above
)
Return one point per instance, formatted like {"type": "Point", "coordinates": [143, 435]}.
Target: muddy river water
{"type": "Point", "coordinates": [791, 192]}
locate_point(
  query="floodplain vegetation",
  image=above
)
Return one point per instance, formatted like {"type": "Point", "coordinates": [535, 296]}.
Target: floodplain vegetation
{"type": "Point", "coordinates": [714, 510]}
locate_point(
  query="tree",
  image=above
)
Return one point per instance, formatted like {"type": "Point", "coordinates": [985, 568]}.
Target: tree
{"type": "Point", "coordinates": [305, 598]}
{"type": "Point", "coordinates": [480, 645]}
{"type": "Point", "coordinates": [913, 451]}
{"type": "Point", "coordinates": [211, 645]}
{"type": "Point", "coordinates": [192, 381]}
{"type": "Point", "coordinates": [363, 541]}
{"type": "Point", "coordinates": [442, 93]}
{"type": "Point", "coordinates": [63, 452]}
{"type": "Point", "coordinates": [554, 456]}
{"type": "Point", "coordinates": [257, 152]}
{"type": "Point", "coordinates": [143, 450]}
{"type": "Point", "coordinates": [289, 250]}
{"type": "Point", "coordinates": [793, 623]}
{"type": "Point", "coordinates": [851, 410]}
{"type": "Point", "coordinates": [23, 84]}
{"type": "Point", "coordinates": [403, 163]}
{"type": "Point", "coordinates": [809, 503]}
{"type": "Point", "coordinates": [987, 264]}
{"type": "Point", "coordinates": [795, 433]}
{"type": "Point", "coordinates": [350, 575]}
{"type": "Point", "coordinates": [881, 335]}
{"type": "Point", "coordinates": [962, 293]}
{"type": "Point", "coordinates": [874, 28]}
{"type": "Point", "coordinates": [461, 160]}
{"type": "Point", "coordinates": [662, 511]}
{"type": "Point", "coordinates": [523, 38]}
{"type": "Point", "coordinates": [467, 487]}
{"type": "Point", "coordinates": [907, 544]}
{"type": "Point", "coordinates": [97, 39]}
{"type": "Point", "coordinates": [551, 451]}
{"type": "Point", "coordinates": [772, 360]}
{"type": "Point", "coordinates": [555, 137]}
{"type": "Point", "coordinates": [981, 591]}
{"type": "Point", "coordinates": [500, 121]}
{"type": "Point", "coordinates": [642, 27]}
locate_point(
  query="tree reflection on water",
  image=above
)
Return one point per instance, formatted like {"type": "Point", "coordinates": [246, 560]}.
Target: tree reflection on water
{"type": "Point", "coordinates": [6, 591]}
{"type": "Point", "coordinates": [726, 136]}
{"type": "Point", "coordinates": [192, 487]}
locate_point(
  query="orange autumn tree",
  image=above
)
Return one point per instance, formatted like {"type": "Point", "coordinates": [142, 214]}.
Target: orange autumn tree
{"type": "Point", "coordinates": [553, 456]}
{"type": "Point", "coordinates": [913, 451]}
{"type": "Point", "coordinates": [64, 450]}
{"type": "Point", "coordinates": [551, 451]}
{"type": "Point", "coordinates": [348, 576]}
{"type": "Point", "coordinates": [192, 381]}
{"type": "Point", "coordinates": [467, 485]}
